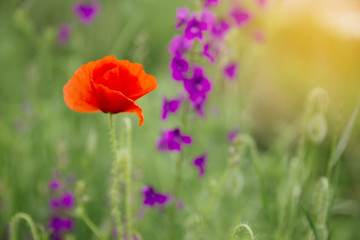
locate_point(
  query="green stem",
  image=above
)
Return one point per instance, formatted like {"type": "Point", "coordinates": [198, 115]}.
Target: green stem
{"type": "Point", "coordinates": [255, 160]}
{"type": "Point", "coordinates": [80, 213]}
{"type": "Point", "coordinates": [14, 223]}
{"type": "Point", "coordinates": [239, 228]}
{"type": "Point", "coordinates": [114, 191]}
{"type": "Point", "coordinates": [128, 206]}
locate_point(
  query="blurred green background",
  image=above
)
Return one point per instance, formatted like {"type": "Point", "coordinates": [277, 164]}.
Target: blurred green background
{"type": "Point", "coordinates": [306, 45]}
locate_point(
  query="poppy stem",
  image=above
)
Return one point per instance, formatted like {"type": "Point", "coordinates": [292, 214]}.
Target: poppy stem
{"type": "Point", "coordinates": [115, 199]}
{"type": "Point", "coordinates": [128, 170]}
{"type": "Point", "coordinates": [241, 227]}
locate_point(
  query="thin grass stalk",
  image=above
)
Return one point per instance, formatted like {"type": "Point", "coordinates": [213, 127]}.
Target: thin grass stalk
{"type": "Point", "coordinates": [14, 225]}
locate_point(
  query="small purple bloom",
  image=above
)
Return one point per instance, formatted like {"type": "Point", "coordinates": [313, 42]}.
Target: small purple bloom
{"type": "Point", "coordinates": [194, 29]}
{"type": "Point", "coordinates": [54, 185]}
{"type": "Point", "coordinates": [151, 197]}
{"type": "Point", "coordinates": [209, 52]}
{"type": "Point", "coordinates": [220, 28]}
{"type": "Point", "coordinates": [230, 71]}
{"type": "Point", "coordinates": [179, 66]}
{"type": "Point", "coordinates": [198, 85]}
{"type": "Point", "coordinates": [182, 15]}
{"type": "Point", "coordinates": [208, 18]}
{"type": "Point", "coordinates": [172, 140]}
{"type": "Point", "coordinates": [259, 36]}
{"type": "Point", "coordinates": [63, 34]}
{"type": "Point", "coordinates": [67, 200]}
{"type": "Point", "coordinates": [240, 16]}
{"type": "Point", "coordinates": [232, 135]}
{"type": "Point", "coordinates": [210, 3]}
{"type": "Point", "coordinates": [262, 3]}
{"type": "Point", "coordinates": [200, 163]}
{"type": "Point", "coordinates": [86, 12]}
{"type": "Point", "coordinates": [55, 203]}
{"type": "Point", "coordinates": [58, 224]}
{"type": "Point", "coordinates": [170, 106]}
{"type": "Point", "coordinates": [180, 45]}
{"type": "Point", "coordinates": [180, 204]}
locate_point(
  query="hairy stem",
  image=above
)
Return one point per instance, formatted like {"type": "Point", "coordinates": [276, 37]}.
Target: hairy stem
{"type": "Point", "coordinates": [115, 188]}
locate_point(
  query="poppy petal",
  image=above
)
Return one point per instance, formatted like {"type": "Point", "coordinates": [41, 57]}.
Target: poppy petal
{"type": "Point", "coordinates": [138, 83]}
{"type": "Point", "coordinates": [78, 91]}
{"type": "Point", "coordinates": [115, 102]}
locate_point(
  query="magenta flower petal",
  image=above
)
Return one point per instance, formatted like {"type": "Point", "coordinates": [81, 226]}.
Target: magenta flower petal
{"type": "Point", "coordinates": [86, 12]}
{"type": "Point", "coordinates": [200, 163]}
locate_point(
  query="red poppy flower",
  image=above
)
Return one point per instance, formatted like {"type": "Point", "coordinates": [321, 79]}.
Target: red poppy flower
{"type": "Point", "coordinates": [108, 85]}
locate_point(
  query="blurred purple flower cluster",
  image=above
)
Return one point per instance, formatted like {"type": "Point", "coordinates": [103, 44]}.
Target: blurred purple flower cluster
{"type": "Point", "coordinates": [61, 202]}
{"type": "Point", "coordinates": [86, 13]}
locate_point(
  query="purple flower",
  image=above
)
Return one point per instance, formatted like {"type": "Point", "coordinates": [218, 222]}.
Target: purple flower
{"type": "Point", "coordinates": [180, 204]}
{"type": "Point", "coordinates": [179, 45]}
{"type": "Point", "coordinates": [262, 3]}
{"type": "Point", "coordinates": [220, 28]}
{"type": "Point", "coordinates": [195, 28]}
{"type": "Point", "coordinates": [86, 12]}
{"type": "Point", "coordinates": [230, 71]}
{"type": "Point", "coordinates": [171, 140]}
{"type": "Point", "coordinates": [210, 52]}
{"type": "Point", "coordinates": [200, 163]}
{"type": "Point", "coordinates": [170, 106]}
{"type": "Point", "coordinates": [179, 66]}
{"type": "Point", "coordinates": [151, 197]}
{"type": "Point", "coordinates": [63, 34]}
{"type": "Point", "coordinates": [67, 200]}
{"type": "Point", "coordinates": [182, 15]}
{"type": "Point", "coordinates": [258, 36]}
{"type": "Point", "coordinates": [198, 85]}
{"type": "Point", "coordinates": [232, 135]}
{"type": "Point", "coordinates": [208, 18]}
{"type": "Point", "coordinates": [58, 224]}
{"type": "Point", "coordinates": [240, 16]}
{"type": "Point", "coordinates": [54, 185]}
{"type": "Point", "coordinates": [210, 3]}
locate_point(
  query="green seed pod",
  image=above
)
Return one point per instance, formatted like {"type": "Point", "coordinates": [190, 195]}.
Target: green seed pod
{"type": "Point", "coordinates": [317, 128]}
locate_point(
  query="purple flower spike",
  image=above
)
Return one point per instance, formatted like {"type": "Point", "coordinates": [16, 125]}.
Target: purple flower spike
{"type": "Point", "coordinates": [86, 12]}
{"type": "Point", "coordinates": [194, 29]}
{"type": "Point", "coordinates": [230, 71]}
{"type": "Point", "coordinates": [240, 16]}
{"type": "Point", "coordinates": [182, 15]}
{"type": "Point", "coordinates": [170, 106]}
{"type": "Point", "coordinates": [179, 66]}
{"type": "Point", "coordinates": [172, 140]}
{"type": "Point", "coordinates": [180, 45]}
{"type": "Point", "coordinates": [200, 163]}
{"type": "Point", "coordinates": [232, 135]}
{"type": "Point", "coordinates": [211, 3]}
{"type": "Point", "coordinates": [151, 197]}
{"type": "Point", "coordinates": [63, 34]}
